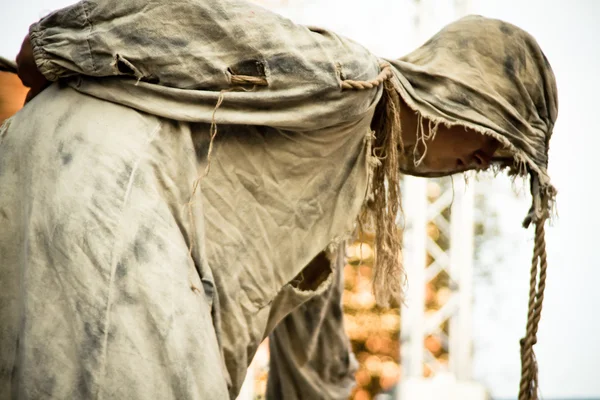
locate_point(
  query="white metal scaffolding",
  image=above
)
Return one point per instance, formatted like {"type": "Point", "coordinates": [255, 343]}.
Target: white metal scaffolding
{"type": "Point", "coordinates": [424, 377]}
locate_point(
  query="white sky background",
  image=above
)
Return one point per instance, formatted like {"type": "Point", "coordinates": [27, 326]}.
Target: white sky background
{"type": "Point", "coordinates": [569, 33]}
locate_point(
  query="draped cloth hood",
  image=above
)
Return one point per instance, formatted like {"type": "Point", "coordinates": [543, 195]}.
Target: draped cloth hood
{"type": "Point", "coordinates": [492, 77]}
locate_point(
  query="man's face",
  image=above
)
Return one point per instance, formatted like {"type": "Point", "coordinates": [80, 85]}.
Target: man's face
{"type": "Point", "coordinates": [451, 150]}
{"type": "Point", "coordinates": [455, 149]}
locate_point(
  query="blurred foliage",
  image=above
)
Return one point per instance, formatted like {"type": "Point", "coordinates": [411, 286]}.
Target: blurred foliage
{"type": "Point", "coordinates": [374, 332]}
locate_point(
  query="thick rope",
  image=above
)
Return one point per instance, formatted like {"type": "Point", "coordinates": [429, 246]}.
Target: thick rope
{"type": "Point", "coordinates": [385, 74]}
{"type": "Point", "coordinates": [528, 389]}
{"type": "Point", "coordinates": [248, 80]}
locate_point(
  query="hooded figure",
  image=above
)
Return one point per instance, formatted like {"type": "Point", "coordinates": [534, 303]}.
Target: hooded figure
{"type": "Point", "coordinates": [183, 189]}
{"type": "Point", "coordinates": [493, 78]}
{"type": "Point", "coordinates": [490, 77]}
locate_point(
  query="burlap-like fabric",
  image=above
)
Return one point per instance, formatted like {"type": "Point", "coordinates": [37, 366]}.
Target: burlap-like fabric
{"type": "Point", "coordinates": [490, 76]}
{"type": "Point", "coordinates": [310, 356]}
{"type": "Point", "coordinates": [100, 243]}
{"type": "Point", "coordinates": [131, 120]}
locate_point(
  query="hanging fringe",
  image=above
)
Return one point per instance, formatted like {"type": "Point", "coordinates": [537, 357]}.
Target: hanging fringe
{"type": "Point", "coordinates": [383, 207]}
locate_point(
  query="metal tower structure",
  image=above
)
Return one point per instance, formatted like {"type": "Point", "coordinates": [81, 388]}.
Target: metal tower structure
{"type": "Point", "coordinates": [436, 330]}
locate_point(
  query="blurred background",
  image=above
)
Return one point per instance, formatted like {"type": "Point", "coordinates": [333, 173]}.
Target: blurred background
{"type": "Point", "coordinates": [469, 266]}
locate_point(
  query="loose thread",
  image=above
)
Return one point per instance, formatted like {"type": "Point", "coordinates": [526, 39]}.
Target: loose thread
{"type": "Point", "coordinates": [213, 133]}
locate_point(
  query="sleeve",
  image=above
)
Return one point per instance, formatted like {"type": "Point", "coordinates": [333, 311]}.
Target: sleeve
{"type": "Point", "coordinates": [205, 46]}
{"type": "Point", "coordinates": [310, 353]}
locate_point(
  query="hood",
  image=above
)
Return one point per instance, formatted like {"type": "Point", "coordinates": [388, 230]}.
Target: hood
{"type": "Point", "coordinates": [492, 77]}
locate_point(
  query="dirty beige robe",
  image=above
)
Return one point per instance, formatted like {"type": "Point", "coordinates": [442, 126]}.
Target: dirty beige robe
{"type": "Point", "coordinates": [96, 272]}
{"type": "Point", "coordinates": [509, 93]}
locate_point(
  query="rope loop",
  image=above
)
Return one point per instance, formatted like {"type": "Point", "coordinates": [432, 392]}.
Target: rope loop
{"type": "Point", "coordinates": [385, 74]}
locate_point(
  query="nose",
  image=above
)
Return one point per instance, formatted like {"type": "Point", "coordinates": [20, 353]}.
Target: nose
{"type": "Point", "coordinates": [481, 159]}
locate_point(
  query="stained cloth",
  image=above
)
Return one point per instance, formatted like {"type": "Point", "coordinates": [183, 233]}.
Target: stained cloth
{"type": "Point", "coordinates": [492, 77]}
{"type": "Point", "coordinates": [104, 241]}
{"type": "Point", "coordinates": [102, 246]}
{"type": "Point", "coordinates": [97, 234]}
{"type": "Point", "coordinates": [309, 353]}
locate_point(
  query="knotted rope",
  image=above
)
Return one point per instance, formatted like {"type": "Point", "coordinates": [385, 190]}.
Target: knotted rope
{"type": "Point", "coordinates": [537, 283]}
{"type": "Point", "coordinates": [248, 80]}
{"type": "Point", "coordinates": [385, 74]}
{"type": "Point", "coordinates": [528, 387]}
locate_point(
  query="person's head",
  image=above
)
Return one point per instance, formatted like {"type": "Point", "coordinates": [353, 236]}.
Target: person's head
{"type": "Point", "coordinates": [478, 93]}
{"type": "Point", "coordinates": [478, 87]}
{"type": "Point", "coordinates": [444, 149]}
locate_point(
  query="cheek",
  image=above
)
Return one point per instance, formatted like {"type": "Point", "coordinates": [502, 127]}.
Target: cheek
{"type": "Point", "coordinates": [448, 149]}
{"type": "Point", "coordinates": [438, 148]}
{"type": "Point", "coordinates": [439, 160]}
{"type": "Point", "coordinates": [491, 146]}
